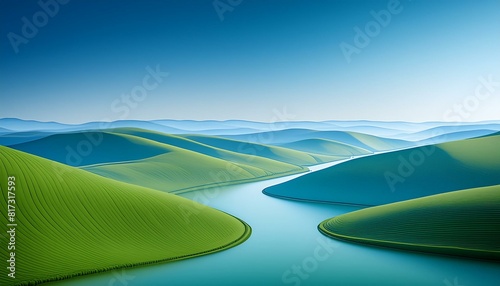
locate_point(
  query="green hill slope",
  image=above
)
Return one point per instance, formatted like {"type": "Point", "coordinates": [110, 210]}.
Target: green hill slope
{"type": "Point", "coordinates": [183, 170]}
{"type": "Point", "coordinates": [220, 153]}
{"type": "Point", "coordinates": [401, 175]}
{"type": "Point", "coordinates": [326, 147]}
{"type": "Point", "coordinates": [361, 140]}
{"type": "Point", "coordinates": [267, 151]}
{"type": "Point", "coordinates": [72, 222]}
{"type": "Point", "coordinates": [464, 223]}
{"type": "Point", "coordinates": [142, 158]}
{"type": "Point", "coordinates": [380, 143]}
{"type": "Point", "coordinates": [86, 148]}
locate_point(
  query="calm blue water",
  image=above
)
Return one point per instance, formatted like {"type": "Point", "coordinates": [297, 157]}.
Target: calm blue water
{"type": "Point", "coordinates": [286, 249]}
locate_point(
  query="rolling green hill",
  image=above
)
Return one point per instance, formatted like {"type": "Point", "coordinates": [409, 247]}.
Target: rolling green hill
{"type": "Point", "coordinates": [184, 170]}
{"type": "Point", "coordinates": [288, 156]}
{"type": "Point", "coordinates": [401, 175]}
{"type": "Point", "coordinates": [326, 147]}
{"type": "Point", "coordinates": [361, 140]}
{"type": "Point", "coordinates": [464, 223]}
{"type": "Point", "coordinates": [380, 143]}
{"type": "Point", "coordinates": [267, 151]}
{"type": "Point", "coordinates": [71, 222]}
{"type": "Point", "coordinates": [146, 159]}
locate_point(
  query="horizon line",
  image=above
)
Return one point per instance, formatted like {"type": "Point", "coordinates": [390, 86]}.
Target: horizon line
{"type": "Point", "coordinates": [254, 121]}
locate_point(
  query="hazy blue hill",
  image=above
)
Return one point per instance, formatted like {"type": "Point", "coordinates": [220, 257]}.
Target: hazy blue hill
{"type": "Point", "coordinates": [313, 125]}
{"type": "Point", "coordinates": [374, 126]}
{"type": "Point", "coordinates": [372, 130]}
{"type": "Point", "coordinates": [32, 125]}
{"type": "Point", "coordinates": [450, 129]}
{"type": "Point", "coordinates": [212, 127]}
{"type": "Point", "coordinates": [398, 130]}
{"type": "Point", "coordinates": [326, 147]}
{"type": "Point", "coordinates": [272, 152]}
{"type": "Point", "coordinates": [86, 148]}
{"type": "Point", "coordinates": [264, 126]}
{"type": "Point", "coordinates": [16, 124]}
{"type": "Point", "coordinates": [395, 125]}
{"type": "Point", "coordinates": [130, 124]}
{"type": "Point", "coordinates": [221, 132]}
{"type": "Point", "coordinates": [492, 134]}
{"type": "Point", "coordinates": [222, 127]}
{"type": "Point", "coordinates": [401, 175]}
{"type": "Point", "coordinates": [195, 125]}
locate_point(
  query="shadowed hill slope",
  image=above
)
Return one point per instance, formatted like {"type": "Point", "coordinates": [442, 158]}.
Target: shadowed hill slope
{"type": "Point", "coordinates": [401, 175]}
{"type": "Point", "coordinates": [87, 148]}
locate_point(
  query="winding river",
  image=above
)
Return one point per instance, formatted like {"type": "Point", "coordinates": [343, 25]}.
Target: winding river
{"type": "Point", "coordinates": [286, 249]}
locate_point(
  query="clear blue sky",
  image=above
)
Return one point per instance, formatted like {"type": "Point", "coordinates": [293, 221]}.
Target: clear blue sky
{"type": "Point", "coordinates": [262, 56]}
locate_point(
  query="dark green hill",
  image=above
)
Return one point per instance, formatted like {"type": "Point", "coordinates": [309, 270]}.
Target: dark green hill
{"type": "Point", "coordinates": [464, 223]}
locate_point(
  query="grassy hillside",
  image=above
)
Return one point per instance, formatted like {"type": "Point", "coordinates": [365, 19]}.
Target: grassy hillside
{"type": "Point", "coordinates": [401, 175]}
{"type": "Point", "coordinates": [143, 158]}
{"type": "Point", "coordinates": [267, 151]}
{"type": "Point", "coordinates": [455, 136]}
{"type": "Point", "coordinates": [86, 148]}
{"type": "Point", "coordinates": [72, 222]}
{"type": "Point", "coordinates": [325, 147]}
{"type": "Point", "coordinates": [182, 170]}
{"type": "Point", "coordinates": [379, 143]}
{"type": "Point", "coordinates": [364, 141]}
{"type": "Point", "coordinates": [464, 223]}
{"type": "Point", "coordinates": [229, 155]}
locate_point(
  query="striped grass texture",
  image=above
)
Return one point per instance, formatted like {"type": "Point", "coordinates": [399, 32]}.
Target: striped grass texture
{"type": "Point", "coordinates": [462, 223]}
{"type": "Point", "coordinates": [72, 222]}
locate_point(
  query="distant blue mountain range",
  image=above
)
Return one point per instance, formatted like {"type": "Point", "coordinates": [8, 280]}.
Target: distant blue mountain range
{"type": "Point", "coordinates": [17, 131]}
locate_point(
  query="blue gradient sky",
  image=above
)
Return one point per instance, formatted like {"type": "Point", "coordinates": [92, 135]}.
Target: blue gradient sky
{"type": "Point", "coordinates": [264, 56]}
